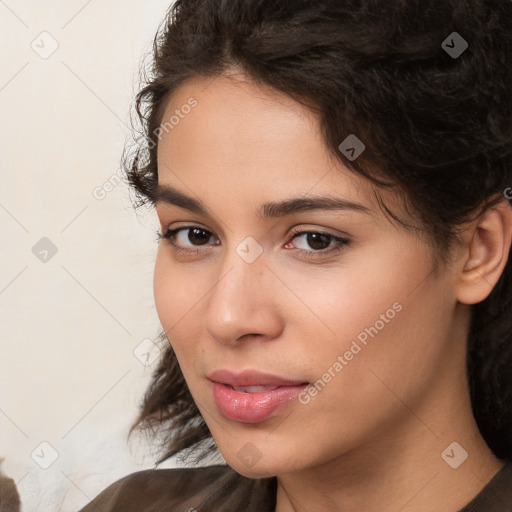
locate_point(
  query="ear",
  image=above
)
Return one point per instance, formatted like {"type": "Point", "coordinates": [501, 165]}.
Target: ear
{"type": "Point", "coordinates": [485, 253]}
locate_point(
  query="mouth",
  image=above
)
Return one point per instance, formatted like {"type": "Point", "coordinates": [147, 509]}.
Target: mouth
{"type": "Point", "coordinates": [252, 379]}
{"type": "Point", "coordinates": [251, 396]}
{"type": "Point", "coordinates": [251, 389]}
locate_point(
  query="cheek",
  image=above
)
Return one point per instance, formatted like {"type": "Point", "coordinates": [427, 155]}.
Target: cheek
{"type": "Point", "coordinates": [357, 297]}
{"type": "Point", "coordinates": [175, 302]}
{"type": "Point", "coordinates": [162, 289]}
{"type": "Point", "coordinates": [383, 360]}
{"type": "Point", "coordinates": [384, 316]}
{"type": "Point", "coordinates": [173, 289]}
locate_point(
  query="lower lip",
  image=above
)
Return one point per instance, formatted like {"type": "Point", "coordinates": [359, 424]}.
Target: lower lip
{"type": "Point", "coordinates": [253, 407]}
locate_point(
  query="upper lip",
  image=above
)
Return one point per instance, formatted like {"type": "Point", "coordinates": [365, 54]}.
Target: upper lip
{"type": "Point", "coordinates": [251, 378]}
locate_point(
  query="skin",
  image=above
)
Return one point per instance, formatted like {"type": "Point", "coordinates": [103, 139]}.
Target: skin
{"type": "Point", "coordinates": [383, 421]}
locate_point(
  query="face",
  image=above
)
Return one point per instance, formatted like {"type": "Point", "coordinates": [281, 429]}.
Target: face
{"type": "Point", "coordinates": [291, 326]}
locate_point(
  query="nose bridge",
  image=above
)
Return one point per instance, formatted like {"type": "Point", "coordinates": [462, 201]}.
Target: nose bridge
{"type": "Point", "coordinates": [241, 273]}
{"type": "Point", "coordinates": [238, 304]}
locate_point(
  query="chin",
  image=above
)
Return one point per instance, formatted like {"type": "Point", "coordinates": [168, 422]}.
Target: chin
{"type": "Point", "coordinates": [257, 467]}
{"type": "Point", "coordinates": [256, 471]}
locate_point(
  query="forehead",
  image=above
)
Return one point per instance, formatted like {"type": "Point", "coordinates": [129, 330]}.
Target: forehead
{"type": "Point", "coordinates": [251, 139]}
{"type": "Point", "coordinates": [241, 124]}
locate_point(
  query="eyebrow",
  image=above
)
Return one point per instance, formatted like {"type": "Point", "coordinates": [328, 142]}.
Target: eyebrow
{"type": "Point", "coordinates": [166, 194]}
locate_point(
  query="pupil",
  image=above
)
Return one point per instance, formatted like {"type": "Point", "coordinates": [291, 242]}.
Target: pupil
{"type": "Point", "coordinates": [313, 240]}
{"type": "Point", "coordinates": [194, 232]}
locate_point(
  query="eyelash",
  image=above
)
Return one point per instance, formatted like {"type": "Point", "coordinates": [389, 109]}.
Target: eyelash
{"type": "Point", "coordinates": [170, 234]}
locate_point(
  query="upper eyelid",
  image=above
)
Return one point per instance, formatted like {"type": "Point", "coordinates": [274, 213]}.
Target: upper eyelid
{"type": "Point", "coordinates": [162, 210]}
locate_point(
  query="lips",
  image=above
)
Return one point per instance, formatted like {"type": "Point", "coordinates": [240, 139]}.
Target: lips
{"type": "Point", "coordinates": [250, 378]}
{"type": "Point", "coordinates": [251, 396]}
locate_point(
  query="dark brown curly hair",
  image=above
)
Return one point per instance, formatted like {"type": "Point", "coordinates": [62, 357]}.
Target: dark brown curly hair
{"type": "Point", "coordinates": [436, 127]}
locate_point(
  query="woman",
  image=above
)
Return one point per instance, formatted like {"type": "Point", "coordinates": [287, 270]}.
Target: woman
{"type": "Point", "coordinates": [333, 278]}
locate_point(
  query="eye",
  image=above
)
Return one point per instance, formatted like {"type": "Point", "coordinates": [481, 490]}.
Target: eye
{"type": "Point", "coordinates": [198, 236]}
{"type": "Point", "coordinates": [320, 242]}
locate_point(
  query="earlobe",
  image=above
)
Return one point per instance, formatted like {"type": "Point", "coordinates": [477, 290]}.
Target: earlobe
{"type": "Point", "coordinates": [486, 254]}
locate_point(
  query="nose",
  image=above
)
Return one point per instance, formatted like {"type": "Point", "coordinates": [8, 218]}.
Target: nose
{"type": "Point", "coordinates": [243, 305]}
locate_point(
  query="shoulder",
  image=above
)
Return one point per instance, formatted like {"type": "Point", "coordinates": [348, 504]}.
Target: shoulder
{"type": "Point", "coordinates": [184, 480]}
{"type": "Point", "coordinates": [180, 489]}
{"type": "Point", "coordinates": [153, 489]}
{"type": "Point", "coordinates": [496, 496]}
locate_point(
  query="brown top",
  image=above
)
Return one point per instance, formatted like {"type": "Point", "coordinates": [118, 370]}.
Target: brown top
{"type": "Point", "coordinates": [221, 489]}
{"type": "Point", "coordinates": [9, 497]}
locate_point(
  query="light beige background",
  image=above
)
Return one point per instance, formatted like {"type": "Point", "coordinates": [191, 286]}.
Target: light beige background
{"type": "Point", "coordinates": [69, 377]}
